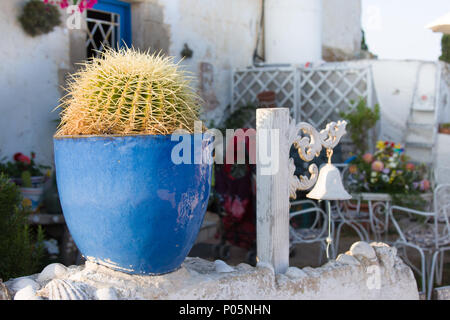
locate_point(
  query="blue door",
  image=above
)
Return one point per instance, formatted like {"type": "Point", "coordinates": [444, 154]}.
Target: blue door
{"type": "Point", "coordinates": [109, 25]}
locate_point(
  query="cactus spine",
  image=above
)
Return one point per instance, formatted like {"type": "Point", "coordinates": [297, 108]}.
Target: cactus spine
{"type": "Point", "coordinates": [128, 92]}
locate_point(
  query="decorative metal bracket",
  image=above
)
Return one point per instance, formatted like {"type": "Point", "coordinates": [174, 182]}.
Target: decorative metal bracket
{"type": "Point", "coordinates": [309, 147]}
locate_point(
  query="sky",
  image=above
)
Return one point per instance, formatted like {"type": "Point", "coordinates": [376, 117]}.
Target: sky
{"type": "Point", "coordinates": [395, 29]}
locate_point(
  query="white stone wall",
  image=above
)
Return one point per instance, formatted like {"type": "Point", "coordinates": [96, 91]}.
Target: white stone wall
{"type": "Point", "coordinates": [444, 111]}
{"type": "Point", "coordinates": [29, 85]}
{"type": "Point", "coordinates": [394, 82]}
{"type": "Point", "coordinates": [364, 272]}
{"type": "Point", "coordinates": [293, 31]}
{"type": "Point", "coordinates": [341, 29]}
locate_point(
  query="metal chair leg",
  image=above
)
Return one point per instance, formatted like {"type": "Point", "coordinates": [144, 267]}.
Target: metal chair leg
{"type": "Point", "coordinates": [430, 279]}
{"type": "Point", "coordinates": [440, 271]}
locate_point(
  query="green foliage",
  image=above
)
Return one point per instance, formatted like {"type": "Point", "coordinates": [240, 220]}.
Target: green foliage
{"type": "Point", "coordinates": [360, 120]}
{"type": "Point", "coordinates": [364, 46]}
{"type": "Point", "coordinates": [26, 179]}
{"type": "Point", "coordinates": [39, 18]}
{"type": "Point", "coordinates": [21, 253]}
{"type": "Point", "coordinates": [242, 117]}
{"type": "Point", "coordinates": [445, 47]}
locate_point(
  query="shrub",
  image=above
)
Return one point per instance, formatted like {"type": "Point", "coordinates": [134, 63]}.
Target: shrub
{"type": "Point", "coordinates": [20, 252]}
{"type": "Point", "coordinates": [445, 47]}
{"type": "Point", "coordinates": [129, 92]}
{"type": "Point", "coordinates": [360, 120]}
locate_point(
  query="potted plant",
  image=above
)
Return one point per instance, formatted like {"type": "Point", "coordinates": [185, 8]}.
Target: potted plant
{"type": "Point", "coordinates": [126, 203]}
{"type": "Point", "coordinates": [29, 176]}
{"type": "Point", "coordinates": [444, 128]}
{"type": "Point", "coordinates": [39, 17]}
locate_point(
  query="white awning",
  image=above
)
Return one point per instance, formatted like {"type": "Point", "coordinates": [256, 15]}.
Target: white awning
{"type": "Point", "coordinates": [441, 25]}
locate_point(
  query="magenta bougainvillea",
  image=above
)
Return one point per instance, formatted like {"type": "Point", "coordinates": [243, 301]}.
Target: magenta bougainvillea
{"type": "Point", "coordinates": [82, 4]}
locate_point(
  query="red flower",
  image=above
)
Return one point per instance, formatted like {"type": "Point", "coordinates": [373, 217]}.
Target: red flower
{"type": "Point", "coordinates": [21, 158]}
{"type": "Point", "coordinates": [24, 159]}
{"type": "Point", "coordinates": [17, 155]}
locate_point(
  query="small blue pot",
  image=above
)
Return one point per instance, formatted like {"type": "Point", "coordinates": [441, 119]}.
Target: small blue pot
{"type": "Point", "coordinates": [127, 205]}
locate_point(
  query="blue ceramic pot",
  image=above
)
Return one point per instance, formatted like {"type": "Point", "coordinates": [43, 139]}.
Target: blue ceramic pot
{"type": "Point", "coordinates": [127, 205]}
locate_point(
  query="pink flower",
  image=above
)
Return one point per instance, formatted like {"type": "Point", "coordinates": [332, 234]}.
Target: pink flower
{"type": "Point", "coordinates": [353, 169]}
{"type": "Point", "coordinates": [410, 166]}
{"type": "Point", "coordinates": [424, 185]}
{"type": "Point", "coordinates": [91, 3]}
{"type": "Point", "coordinates": [368, 157]}
{"type": "Point", "coordinates": [64, 4]}
{"type": "Point", "coordinates": [235, 206]}
{"type": "Point", "coordinates": [238, 208]}
{"type": "Point", "coordinates": [86, 4]}
{"type": "Point", "coordinates": [377, 166]}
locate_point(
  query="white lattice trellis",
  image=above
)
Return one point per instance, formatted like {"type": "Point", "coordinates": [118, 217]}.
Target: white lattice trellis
{"type": "Point", "coordinates": [315, 95]}
{"type": "Point", "coordinates": [247, 83]}
{"type": "Point", "coordinates": [325, 91]}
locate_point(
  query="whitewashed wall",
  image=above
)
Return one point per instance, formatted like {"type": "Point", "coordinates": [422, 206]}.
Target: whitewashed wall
{"type": "Point", "coordinates": [394, 82]}
{"type": "Point", "coordinates": [29, 85]}
{"type": "Point", "coordinates": [293, 31]}
{"type": "Point", "coordinates": [341, 29]}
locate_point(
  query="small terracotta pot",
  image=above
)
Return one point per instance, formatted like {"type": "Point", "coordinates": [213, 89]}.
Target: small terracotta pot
{"type": "Point", "coordinates": [266, 99]}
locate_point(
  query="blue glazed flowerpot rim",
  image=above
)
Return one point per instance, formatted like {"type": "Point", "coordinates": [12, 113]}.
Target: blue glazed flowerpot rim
{"type": "Point", "coordinates": [100, 262]}
{"type": "Point", "coordinates": [113, 136]}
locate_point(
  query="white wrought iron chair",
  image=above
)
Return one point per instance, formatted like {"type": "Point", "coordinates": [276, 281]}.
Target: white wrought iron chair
{"type": "Point", "coordinates": [317, 232]}
{"type": "Point", "coordinates": [430, 237]}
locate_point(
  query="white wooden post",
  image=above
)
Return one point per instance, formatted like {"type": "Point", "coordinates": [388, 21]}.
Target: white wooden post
{"type": "Point", "coordinates": [272, 185]}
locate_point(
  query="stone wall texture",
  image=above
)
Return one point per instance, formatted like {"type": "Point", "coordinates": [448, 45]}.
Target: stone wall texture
{"type": "Point", "coordinates": [364, 272]}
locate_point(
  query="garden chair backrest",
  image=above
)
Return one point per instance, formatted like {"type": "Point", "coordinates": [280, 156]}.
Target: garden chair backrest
{"type": "Point", "coordinates": [442, 211]}
{"type": "Point", "coordinates": [319, 221]}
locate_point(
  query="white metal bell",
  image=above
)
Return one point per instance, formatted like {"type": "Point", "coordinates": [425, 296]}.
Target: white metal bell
{"type": "Point", "coordinates": [329, 185]}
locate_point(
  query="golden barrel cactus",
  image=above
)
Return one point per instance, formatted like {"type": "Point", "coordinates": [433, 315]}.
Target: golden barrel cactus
{"type": "Point", "coordinates": [128, 92]}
